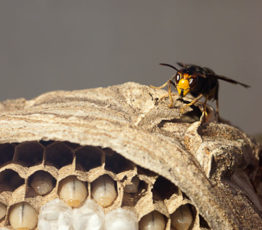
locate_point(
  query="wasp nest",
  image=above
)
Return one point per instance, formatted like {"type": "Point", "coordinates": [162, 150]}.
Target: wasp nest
{"type": "Point", "coordinates": [118, 158]}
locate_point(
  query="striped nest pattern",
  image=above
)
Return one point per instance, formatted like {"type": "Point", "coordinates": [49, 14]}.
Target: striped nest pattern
{"type": "Point", "coordinates": [161, 167]}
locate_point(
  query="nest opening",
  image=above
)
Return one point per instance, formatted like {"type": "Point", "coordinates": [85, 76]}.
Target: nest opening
{"type": "Point", "coordinates": [160, 188]}
{"type": "Point", "coordinates": [116, 163]}
{"type": "Point", "coordinates": [58, 154]}
{"type": "Point", "coordinates": [88, 157]}
{"type": "Point", "coordinates": [6, 153]}
{"type": "Point", "coordinates": [29, 153]}
{"type": "Point", "coordinates": [10, 180]}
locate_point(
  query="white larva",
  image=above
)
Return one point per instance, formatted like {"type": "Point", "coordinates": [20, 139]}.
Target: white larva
{"type": "Point", "coordinates": [182, 218]}
{"type": "Point", "coordinates": [104, 191]}
{"type": "Point", "coordinates": [73, 191]}
{"type": "Point", "coordinates": [23, 216]}
{"type": "Point", "coordinates": [152, 221]}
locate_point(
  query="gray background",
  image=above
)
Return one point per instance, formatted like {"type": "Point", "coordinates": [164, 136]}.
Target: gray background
{"type": "Point", "coordinates": [71, 44]}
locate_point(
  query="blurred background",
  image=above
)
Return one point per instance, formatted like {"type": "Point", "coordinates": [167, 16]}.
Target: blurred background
{"type": "Point", "coordinates": [67, 45]}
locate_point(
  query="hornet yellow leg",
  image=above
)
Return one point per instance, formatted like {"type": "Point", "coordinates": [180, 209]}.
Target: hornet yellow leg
{"type": "Point", "coordinates": [191, 103]}
{"type": "Point", "coordinates": [168, 84]}
{"type": "Point", "coordinates": [205, 107]}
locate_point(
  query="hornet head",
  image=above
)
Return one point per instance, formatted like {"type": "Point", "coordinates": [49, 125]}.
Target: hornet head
{"type": "Point", "coordinates": [184, 80]}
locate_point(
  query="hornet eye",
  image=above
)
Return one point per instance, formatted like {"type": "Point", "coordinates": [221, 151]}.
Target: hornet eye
{"type": "Point", "coordinates": [177, 78]}
{"type": "Point", "coordinates": [192, 81]}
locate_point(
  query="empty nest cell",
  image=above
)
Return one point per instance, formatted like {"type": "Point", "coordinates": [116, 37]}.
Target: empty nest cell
{"type": "Point", "coordinates": [58, 154]}
{"type": "Point", "coordinates": [88, 157]}
{"type": "Point", "coordinates": [160, 188]}
{"type": "Point", "coordinates": [6, 153]}
{"type": "Point", "coordinates": [115, 162]}
{"type": "Point", "coordinates": [10, 180]}
{"type": "Point", "coordinates": [29, 153]}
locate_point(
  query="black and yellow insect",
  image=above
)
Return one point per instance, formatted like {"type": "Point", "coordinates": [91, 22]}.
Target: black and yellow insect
{"type": "Point", "coordinates": [198, 81]}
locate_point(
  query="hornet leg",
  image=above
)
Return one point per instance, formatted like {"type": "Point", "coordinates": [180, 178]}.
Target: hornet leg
{"type": "Point", "coordinates": [169, 95]}
{"type": "Point", "coordinates": [191, 103]}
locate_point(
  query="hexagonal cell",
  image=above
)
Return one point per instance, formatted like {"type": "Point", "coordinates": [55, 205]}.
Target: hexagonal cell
{"type": "Point", "coordinates": [114, 162]}
{"type": "Point", "coordinates": [88, 157]}
{"type": "Point", "coordinates": [133, 186]}
{"type": "Point", "coordinates": [6, 153]}
{"type": "Point", "coordinates": [130, 199]}
{"type": "Point", "coordinates": [153, 220]}
{"type": "Point", "coordinates": [42, 182]}
{"type": "Point", "coordinates": [58, 154]}
{"type": "Point", "coordinates": [160, 188]}
{"type": "Point", "coordinates": [73, 191]}
{"type": "Point", "coordinates": [29, 153]}
{"type": "Point", "coordinates": [183, 217]}
{"type": "Point", "coordinates": [104, 191]}
{"type": "Point", "coordinates": [22, 216]}
{"type": "Point", "coordinates": [10, 180]}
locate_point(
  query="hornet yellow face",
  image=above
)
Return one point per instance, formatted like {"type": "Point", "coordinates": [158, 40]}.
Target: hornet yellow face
{"type": "Point", "coordinates": [183, 84]}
